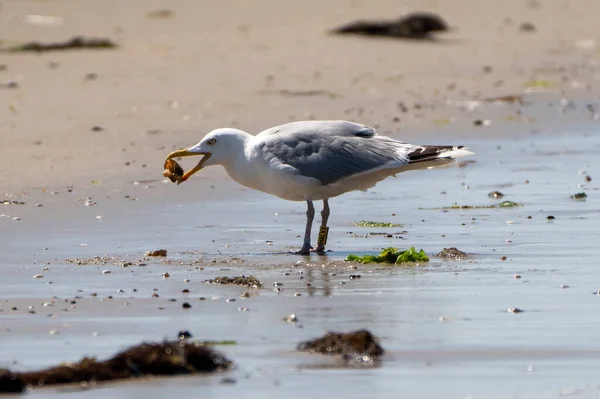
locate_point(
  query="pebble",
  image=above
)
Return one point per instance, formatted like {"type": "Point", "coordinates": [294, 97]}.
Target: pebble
{"type": "Point", "coordinates": [186, 305]}
{"type": "Point", "coordinates": [106, 272]}
{"type": "Point", "coordinates": [230, 300]}
{"type": "Point", "coordinates": [290, 318]}
{"type": "Point", "coordinates": [297, 294]}
{"type": "Point", "coordinates": [564, 286]}
{"type": "Point", "coordinates": [243, 309]}
{"type": "Point", "coordinates": [514, 310]}
{"type": "Point", "coordinates": [184, 334]}
{"type": "Point", "coordinates": [517, 276]}
{"type": "Point", "coordinates": [166, 275]}
{"type": "Point", "coordinates": [245, 294]}
{"type": "Point", "coordinates": [38, 276]}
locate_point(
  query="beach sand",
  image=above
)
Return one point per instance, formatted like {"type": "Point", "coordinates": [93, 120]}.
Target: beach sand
{"type": "Point", "coordinates": [226, 63]}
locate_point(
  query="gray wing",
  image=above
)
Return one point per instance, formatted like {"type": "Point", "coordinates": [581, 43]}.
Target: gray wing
{"type": "Point", "coordinates": [330, 151]}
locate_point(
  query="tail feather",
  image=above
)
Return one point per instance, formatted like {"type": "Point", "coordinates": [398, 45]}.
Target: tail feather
{"type": "Point", "coordinates": [437, 152]}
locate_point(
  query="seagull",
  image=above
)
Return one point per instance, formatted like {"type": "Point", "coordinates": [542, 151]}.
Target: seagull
{"type": "Point", "coordinates": [312, 161]}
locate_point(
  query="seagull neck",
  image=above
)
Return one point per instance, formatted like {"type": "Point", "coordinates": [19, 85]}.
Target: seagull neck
{"type": "Point", "coordinates": [237, 151]}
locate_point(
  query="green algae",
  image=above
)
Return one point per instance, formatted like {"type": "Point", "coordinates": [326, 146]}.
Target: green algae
{"type": "Point", "coordinates": [392, 255]}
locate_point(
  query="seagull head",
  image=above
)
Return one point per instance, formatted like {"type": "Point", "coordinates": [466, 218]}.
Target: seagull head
{"type": "Point", "coordinates": [218, 147]}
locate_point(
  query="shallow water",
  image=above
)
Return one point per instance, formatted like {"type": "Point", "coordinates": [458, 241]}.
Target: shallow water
{"type": "Point", "coordinates": [445, 326]}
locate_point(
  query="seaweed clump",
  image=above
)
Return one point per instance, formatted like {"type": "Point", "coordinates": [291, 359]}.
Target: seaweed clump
{"type": "Point", "coordinates": [579, 196]}
{"type": "Point", "coordinates": [452, 254]}
{"type": "Point", "coordinates": [391, 255]}
{"type": "Point", "coordinates": [75, 43]}
{"type": "Point", "coordinates": [249, 281]}
{"type": "Point", "coordinates": [418, 25]}
{"type": "Point", "coordinates": [158, 252]}
{"type": "Point", "coordinates": [356, 348]}
{"type": "Point", "coordinates": [146, 359]}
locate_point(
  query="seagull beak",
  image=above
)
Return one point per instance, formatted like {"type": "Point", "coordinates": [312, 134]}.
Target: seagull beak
{"type": "Point", "coordinates": [187, 153]}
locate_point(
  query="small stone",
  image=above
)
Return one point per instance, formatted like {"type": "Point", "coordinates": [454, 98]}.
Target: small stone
{"type": "Point", "coordinates": [290, 318]}
{"type": "Point", "coordinates": [166, 275]}
{"type": "Point", "coordinates": [158, 252]}
{"type": "Point", "coordinates": [550, 217]}
{"type": "Point", "coordinates": [97, 129]}
{"type": "Point", "coordinates": [354, 276]}
{"type": "Point", "coordinates": [245, 294]}
{"type": "Point", "coordinates": [514, 310]}
{"type": "Point", "coordinates": [564, 286]}
{"type": "Point", "coordinates": [297, 294]}
{"type": "Point", "coordinates": [186, 305]}
{"type": "Point", "coordinates": [230, 300]}
{"type": "Point", "coordinates": [496, 194]}
{"type": "Point", "coordinates": [482, 122]}
{"type": "Point", "coordinates": [184, 334]}
{"type": "Point", "coordinates": [243, 309]}
{"type": "Point", "coordinates": [38, 276]}
{"type": "Point", "coordinates": [527, 27]}
{"type": "Point", "coordinates": [517, 276]}
{"type": "Point", "coordinates": [503, 258]}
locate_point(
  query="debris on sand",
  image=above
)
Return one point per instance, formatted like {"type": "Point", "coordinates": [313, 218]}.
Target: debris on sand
{"type": "Point", "coordinates": [511, 98]}
{"type": "Point", "coordinates": [579, 196]}
{"type": "Point", "coordinates": [368, 223]}
{"type": "Point", "coordinates": [10, 382]}
{"type": "Point", "coordinates": [75, 43]}
{"type": "Point", "coordinates": [503, 204]}
{"type": "Point", "coordinates": [146, 359]}
{"type": "Point", "coordinates": [243, 281]}
{"type": "Point", "coordinates": [452, 253]}
{"type": "Point", "coordinates": [391, 255]}
{"type": "Point", "coordinates": [495, 194]}
{"type": "Point", "coordinates": [301, 93]}
{"type": "Point", "coordinates": [160, 14]}
{"type": "Point", "coordinates": [173, 171]}
{"type": "Point", "coordinates": [158, 252]}
{"type": "Point", "coordinates": [508, 204]}
{"type": "Point", "coordinates": [412, 26]}
{"type": "Point", "coordinates": [357, 348]}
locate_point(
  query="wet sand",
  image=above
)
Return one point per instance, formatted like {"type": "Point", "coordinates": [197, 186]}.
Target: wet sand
{"type": "Point", "coordinates": [444, 322]}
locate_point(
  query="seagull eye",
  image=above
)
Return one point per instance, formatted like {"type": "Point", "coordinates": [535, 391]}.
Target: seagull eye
{"type": "Point", "coordinates": [211, 141]}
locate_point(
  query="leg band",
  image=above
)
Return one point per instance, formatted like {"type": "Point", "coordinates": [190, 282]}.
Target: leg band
{"type": "Point", "coordinates": [323, 231]}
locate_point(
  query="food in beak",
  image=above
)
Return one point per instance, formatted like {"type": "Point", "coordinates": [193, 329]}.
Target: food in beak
{"type": "Point", "coordinates": [173, 171]}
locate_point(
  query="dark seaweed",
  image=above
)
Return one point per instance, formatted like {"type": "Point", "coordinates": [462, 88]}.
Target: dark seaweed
{"type": "Point", "coordinates": [146, 359]}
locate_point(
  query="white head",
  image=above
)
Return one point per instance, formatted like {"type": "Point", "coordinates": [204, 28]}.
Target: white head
{"type": "Point", "coordinates": [219, 147]}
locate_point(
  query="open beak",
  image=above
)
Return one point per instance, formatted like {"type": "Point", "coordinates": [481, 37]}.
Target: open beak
{"type": "Point", "coordinates": [187, 153]}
